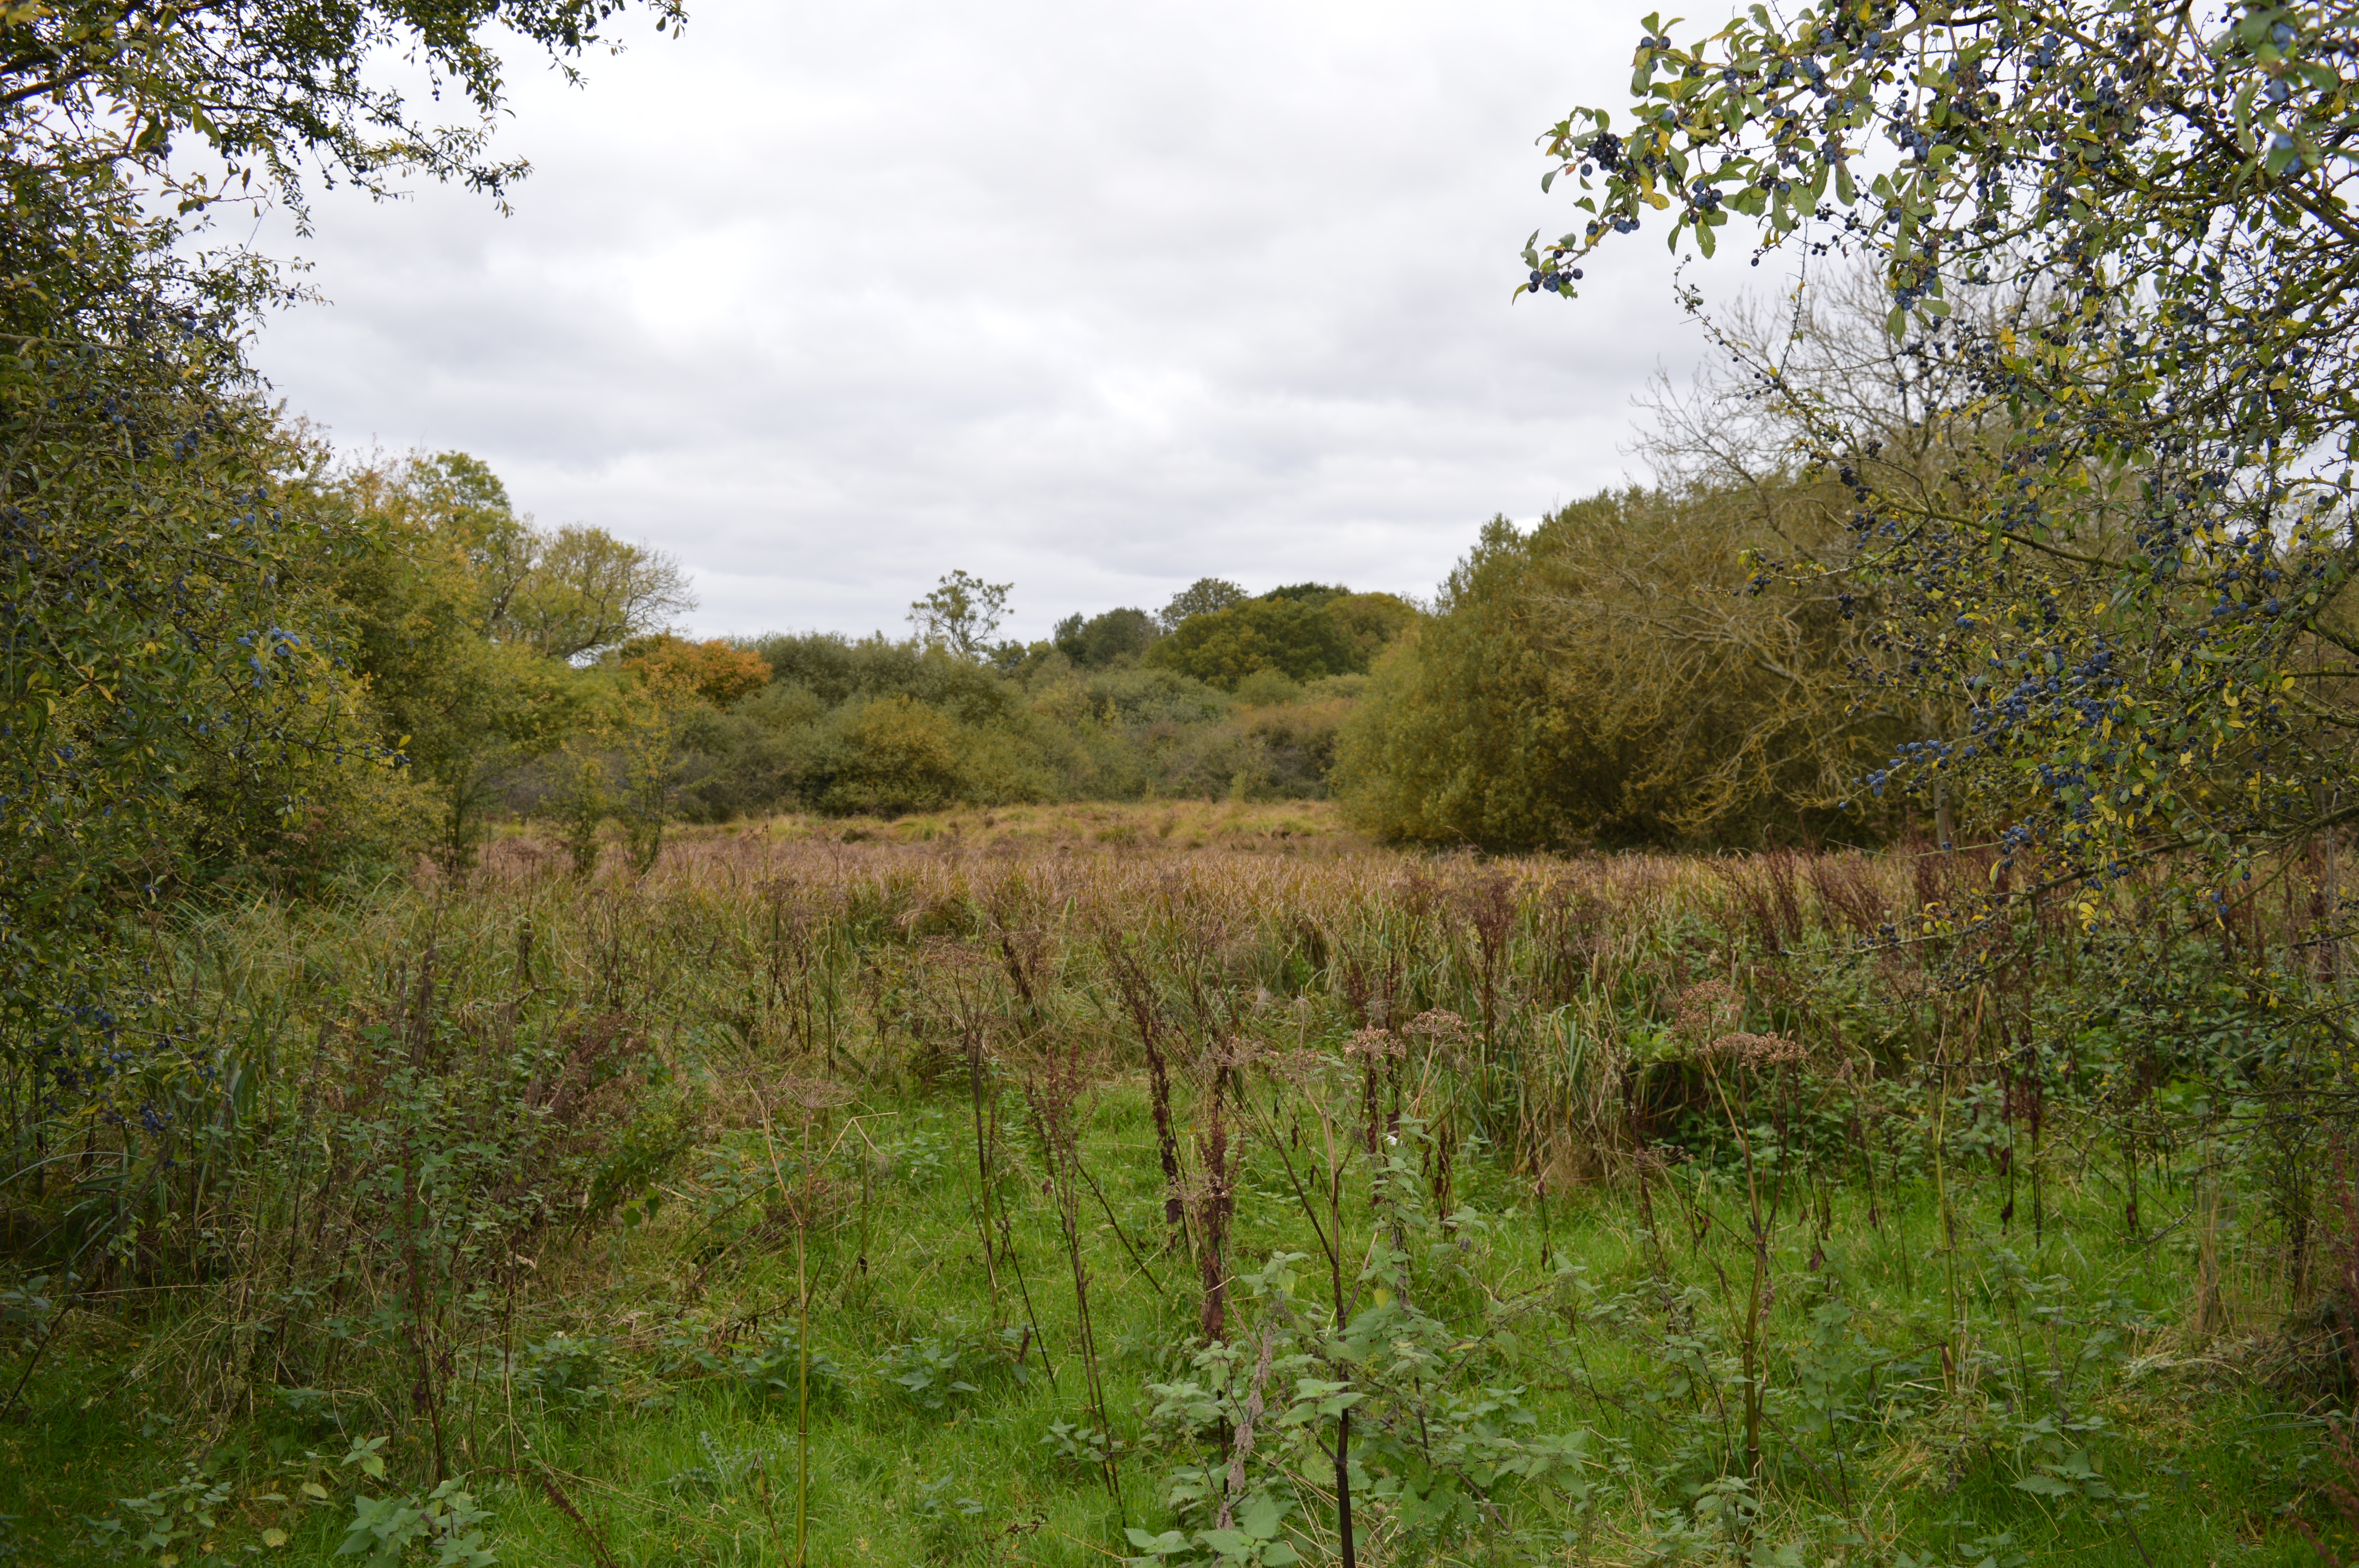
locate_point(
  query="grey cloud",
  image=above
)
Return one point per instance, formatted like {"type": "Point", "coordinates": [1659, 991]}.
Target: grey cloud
{"type": "Point", "coordinates": [829, 300]}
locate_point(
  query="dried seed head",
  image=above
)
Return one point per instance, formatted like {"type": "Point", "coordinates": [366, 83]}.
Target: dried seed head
{"type": "Point", "coordinates": [1235, 1051]}
{"type": "Point", "coordinates": [1440, 1025]}
{"type": "Point", "coordinates": [1759, 1050]}
{"type": "Point", "coordinates": [815, 1094]}
{"type": "Point", "coordinates": [1709, 1007]}
{"type": "Point", "coordinates": [1295, 1067]}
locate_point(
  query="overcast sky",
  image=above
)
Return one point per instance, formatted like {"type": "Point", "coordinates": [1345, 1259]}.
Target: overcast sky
{"type": "Point", "coordinates": [829, 298]}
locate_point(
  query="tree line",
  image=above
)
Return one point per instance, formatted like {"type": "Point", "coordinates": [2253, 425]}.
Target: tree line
{"type": "Point", "coordinates": [1221, 693]}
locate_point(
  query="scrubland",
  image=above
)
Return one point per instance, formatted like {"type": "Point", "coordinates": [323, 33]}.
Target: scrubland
{"type": "Point", "coordinates": [1059, 1186]}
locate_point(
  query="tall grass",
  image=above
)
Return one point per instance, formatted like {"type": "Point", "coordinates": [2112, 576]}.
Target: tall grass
{"type": "Point", "coordinates": [419, 1122]}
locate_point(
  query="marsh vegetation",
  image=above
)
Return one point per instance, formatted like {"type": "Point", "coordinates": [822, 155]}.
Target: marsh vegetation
{"type": "Point", "coordinates": [932, 1191]}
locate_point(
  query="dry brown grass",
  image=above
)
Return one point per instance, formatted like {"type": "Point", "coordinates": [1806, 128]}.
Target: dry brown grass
{"type": "Point", "coordinates": [1300, 827]}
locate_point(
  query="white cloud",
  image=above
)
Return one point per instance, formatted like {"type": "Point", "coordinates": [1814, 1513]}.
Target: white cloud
{"type": "Point", "coordinates": [830, 299]}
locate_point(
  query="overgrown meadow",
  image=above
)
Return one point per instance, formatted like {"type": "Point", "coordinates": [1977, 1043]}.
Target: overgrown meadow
{"type": "Point", "coordinates": [1195, 1184]}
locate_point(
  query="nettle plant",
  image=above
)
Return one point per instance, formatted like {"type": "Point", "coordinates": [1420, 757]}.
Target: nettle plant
{"type": "Point", "coordinates": [1380, 1362]}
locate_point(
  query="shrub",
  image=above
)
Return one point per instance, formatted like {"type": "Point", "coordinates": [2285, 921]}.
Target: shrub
{"type": "Point", "coordinates": [1468, 733]}
{"type": "Point", "coordinates": [1297, 639]}
{"type": "Point", "coordinates": [718, 671]}
{"type": "Point", "coordinates": [1100, 641]}
{"type": "Point", "coordinates": [837, 669]}
{"type": "Point", "coordinates": [1614, 676]}
{"type": "Point", "coordinates": [883, 756]}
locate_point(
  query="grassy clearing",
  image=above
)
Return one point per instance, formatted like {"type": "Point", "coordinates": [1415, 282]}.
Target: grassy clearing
{"type": "Point", "coordinates": [1593, 1086]}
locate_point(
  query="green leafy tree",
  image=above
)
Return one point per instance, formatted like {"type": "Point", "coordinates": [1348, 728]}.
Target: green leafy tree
{"type": "Point", "coordinates": [962, 614]}
{"type": "Point", "coordinates": [582, 591]}
{"type": "Point", "coordinates": [423, 607]}
{"type": "Point", "coordinates": [2115, 243]}
{"type": "Point", "coordinates": [647, 764]}
{"type": "Point", "coordinates": [1604, 677]}
{"type": "Point", "coordinates": [1102, 639]}
{"type": "Point", "coordinates": [1205, 596]}
{"type": "Point", "coordinates": [1473, 729]}
{"type": "Point", "coordinates": [169, 664]}
{"type": "Point", "coordinates": [1371, 620]}
{"type": "Point", "coordinates": [1308, 592]}
{"type": "Point", "coordinates": [2135, 582]}
{"type": "Point", "coordinates": [143, 651]}
{"type": "Point", "coordinates": [1299, 641]}
{"type": "Point", "coordinates": [581, 797]}
{"type": "Point", "coordinates": [99, 93]}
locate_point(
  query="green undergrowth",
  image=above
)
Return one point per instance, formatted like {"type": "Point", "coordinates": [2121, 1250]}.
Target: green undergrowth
{"type": "Point", "coordinates": [654, 1379]}
{"type": "Point", "coordinates": [861, 1203]}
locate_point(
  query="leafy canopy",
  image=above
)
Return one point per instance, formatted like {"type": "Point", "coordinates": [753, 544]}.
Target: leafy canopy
{"type": "Point", "coordinates": [174, 698]}
{"type": "Point", "coordinates": [110, 89]}
{"type": "Point", "coordinates": [1332, 632]}
{"type": "Point", "coordinates": [1205, 596]}
{"type": "Point", "coordinates": [1100, 640]}
{"type": "Point", "coordinates": [1599, 679]}
{"type": "Point", "coordinates": [962, 614]}
{"type": "Point", "coordinates": [462, 620]}
{"type": "Point", "coordinates": [2123, 230]}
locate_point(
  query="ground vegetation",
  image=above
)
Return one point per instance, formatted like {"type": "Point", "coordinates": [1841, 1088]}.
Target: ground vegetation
{"type": "Point", "coordinates": [1042, 1189]}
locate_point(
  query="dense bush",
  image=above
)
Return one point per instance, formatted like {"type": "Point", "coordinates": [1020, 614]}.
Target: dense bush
{"type": "Point", "coordinates": [1304, 633]}
{"type": "Point", "coordinates": [1102, 639]}
{"type": "Point", "coordinates": [717, 671]}
{"type": "Point", "coordinates": [873, 726]}
{"type": "Point", "coordinates": [1612, 675]}
{"type": "Point", "coordinates": [836, 668]}
{"type": "Point", "coordinates": [1470, 732]}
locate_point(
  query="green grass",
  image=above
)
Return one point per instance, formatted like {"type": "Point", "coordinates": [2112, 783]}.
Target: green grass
{"type": "Point", "coordinates": [2220, 1454]}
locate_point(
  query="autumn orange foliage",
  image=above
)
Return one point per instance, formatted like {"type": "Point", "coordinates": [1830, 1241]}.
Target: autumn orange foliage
{"type": "Point", "coordinates": [718, 671]}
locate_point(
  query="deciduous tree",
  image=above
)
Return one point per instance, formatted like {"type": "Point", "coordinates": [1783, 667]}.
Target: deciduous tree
{"type": "Point", "coordinates": [2136, 588]}
{"type": "Point", "coordinates": [962, 614]}
{"type": "Point", "coordinates": [1299, 641]}
{"type": "Point", "coordinates": [169, 674]}
{"type": "Point", "coordinates": [1205, 596]}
